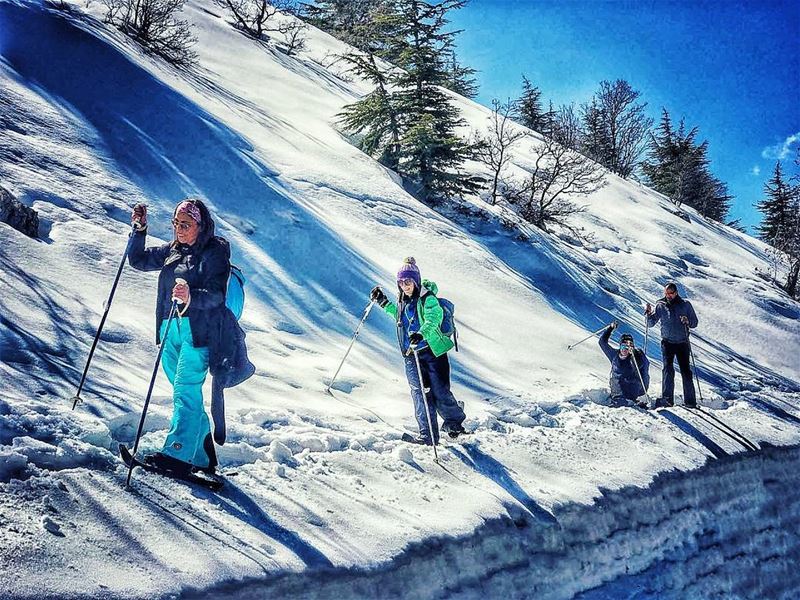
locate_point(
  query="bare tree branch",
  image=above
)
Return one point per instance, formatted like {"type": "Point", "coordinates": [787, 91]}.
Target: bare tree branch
{"type": "Point", "coordinates": [154, 24]}
{"type": "Point", "coordinates": [558, 172]}
{"type": "Point", "coordinates": [493, 149]}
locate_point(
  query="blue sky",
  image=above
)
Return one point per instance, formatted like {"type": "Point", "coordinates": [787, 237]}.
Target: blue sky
{"type": "Point", "coordinates": [731, 68]}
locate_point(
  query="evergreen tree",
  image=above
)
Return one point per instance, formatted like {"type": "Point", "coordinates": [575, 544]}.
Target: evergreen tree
{"type": "Point", "coordinates": [780, 226]}
{"type": "Point", "coordinates": [678, 167]}
{"type": "Point", "coordinates": [343, 19]}
{"type": "Point", "coordinates": [529, 111]}
{"type": "Point", "coordinates": [713, 199]}
{"type": "Point", "coordinates": [408, 119]}
{"type": "Point", "coordinates": [593, 142]}
{"type": "Point", "coordinates": [460, 79]}
{"type": "Point", "coordinates": [776, 207]}
{"type": "Point", "coordinates": [431, 152]}
{"type": "Point", "coordinates": [660, 168]}
{"type": "Point", "coordinates": [375, 117]}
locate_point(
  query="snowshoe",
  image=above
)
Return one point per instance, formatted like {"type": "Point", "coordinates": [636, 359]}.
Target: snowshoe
{"type": "Point", "coordinates": [173, 468]}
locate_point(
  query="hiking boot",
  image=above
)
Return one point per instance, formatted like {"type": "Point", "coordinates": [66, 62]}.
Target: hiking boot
{"type": "Point", "coordinates": [456, 431]}
{"type": "Point", "coordinates": [416, 439]}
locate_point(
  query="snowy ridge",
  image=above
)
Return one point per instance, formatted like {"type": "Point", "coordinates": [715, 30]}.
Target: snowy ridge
{"type": "Point", "coordinates": [325, 492]}
{"type": "Point", "coordinates": [696, 538]}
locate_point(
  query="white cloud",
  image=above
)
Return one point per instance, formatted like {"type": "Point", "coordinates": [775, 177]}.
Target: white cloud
{"type": "Point", "coordinates": [782, 150]}
{"type": "Point", "coordinates": [756, 171]}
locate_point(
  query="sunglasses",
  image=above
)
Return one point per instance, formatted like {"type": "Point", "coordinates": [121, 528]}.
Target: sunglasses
{"type": "Point", "coordinates": [405, 281]}
{"type": "Point", "coordinates": [182, 225]}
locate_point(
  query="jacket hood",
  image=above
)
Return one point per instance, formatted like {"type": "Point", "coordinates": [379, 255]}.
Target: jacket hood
{"type": "Point", "coordinates": [429, 286]}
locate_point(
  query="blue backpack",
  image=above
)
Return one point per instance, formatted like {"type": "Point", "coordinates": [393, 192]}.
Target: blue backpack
{"type": "Point", "coordinates": [234, 298]}
{"type": "Point", "coordinates": [448, 326]}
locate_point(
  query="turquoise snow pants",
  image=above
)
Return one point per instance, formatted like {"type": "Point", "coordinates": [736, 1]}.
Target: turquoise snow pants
{"type": "Point", "coordinates": [186, 368]}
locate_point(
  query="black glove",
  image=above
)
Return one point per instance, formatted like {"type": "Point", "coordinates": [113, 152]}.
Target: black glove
{"type": "Point", "coordinates": [377, 295]}
{"type": "Point", "coordinates": [415, 338]}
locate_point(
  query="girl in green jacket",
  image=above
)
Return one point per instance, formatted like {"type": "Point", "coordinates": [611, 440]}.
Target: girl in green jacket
{"type": "Point", "coordinates": [419, 318]}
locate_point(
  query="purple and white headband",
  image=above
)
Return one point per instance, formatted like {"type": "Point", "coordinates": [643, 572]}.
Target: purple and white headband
{"type": "Point", "coordinates": [190, 208]}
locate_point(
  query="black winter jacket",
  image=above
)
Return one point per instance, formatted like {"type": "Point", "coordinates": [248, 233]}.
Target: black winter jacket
{"type": "Point", "coordinates": [205, 267]}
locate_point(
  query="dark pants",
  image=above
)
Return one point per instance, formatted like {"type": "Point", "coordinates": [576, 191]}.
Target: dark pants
{"type": "Point", "coordinates": [670, 351]}
{"type": "Point", "coordinates": [436, 380]}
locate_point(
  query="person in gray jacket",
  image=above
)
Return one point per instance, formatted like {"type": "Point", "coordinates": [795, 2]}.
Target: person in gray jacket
{"type": "Point", "coordinates": [677, 317]}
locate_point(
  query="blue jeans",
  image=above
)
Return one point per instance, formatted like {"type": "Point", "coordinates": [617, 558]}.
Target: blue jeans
{"type": "Point", "coordinates": [435, 377]}
{"type": "Point", "coordinates": [189, 438]}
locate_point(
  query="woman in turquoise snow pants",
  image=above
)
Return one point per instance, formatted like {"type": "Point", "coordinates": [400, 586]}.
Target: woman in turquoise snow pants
{"type": "Point", "coordinates": [193, 270]}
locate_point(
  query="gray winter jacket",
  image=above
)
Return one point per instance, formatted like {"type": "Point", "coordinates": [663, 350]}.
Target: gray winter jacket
{"type": "Point", "coordinates": [669, 313]}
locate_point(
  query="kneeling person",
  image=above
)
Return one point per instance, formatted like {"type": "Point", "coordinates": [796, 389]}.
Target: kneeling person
{"type": "Point", "coordinates": [627, 364]}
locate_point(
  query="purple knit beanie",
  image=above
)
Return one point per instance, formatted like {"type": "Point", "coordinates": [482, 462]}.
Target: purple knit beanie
{"type": "Point", "coordinates": [409, 270]}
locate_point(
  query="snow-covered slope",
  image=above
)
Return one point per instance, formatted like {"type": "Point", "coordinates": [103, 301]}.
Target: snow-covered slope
{"type": "Point", "coordinates": [89, 126]}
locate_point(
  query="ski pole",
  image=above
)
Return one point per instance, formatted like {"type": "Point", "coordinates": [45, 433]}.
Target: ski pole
{"type": "Point", "coordinates": [350, 347]}
{"type": "Point", "coordinates": [694, 363]}
{"type": "Point", "coordinates": [172, 312]}
{"type": "Point", "coordinates": [425, 400]}
{"type": "Point", "coordinates": [646, 333]}
{"type": "Point", "coordinates": [588, 337]}
{"type": "Point", "coordinates": [77, 397]}
{"type": "Point", "coordinates": [639, 372]}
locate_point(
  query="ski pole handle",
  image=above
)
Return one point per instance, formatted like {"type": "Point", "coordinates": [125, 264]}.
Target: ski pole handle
{"type": "Point", "coordinates": [179, 281]}
{"type": "Point", "coordinates": [136, 221]}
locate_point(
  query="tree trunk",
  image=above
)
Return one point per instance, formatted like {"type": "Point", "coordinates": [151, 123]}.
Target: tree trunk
{"type": "Point", "coordinates": [792, 277]}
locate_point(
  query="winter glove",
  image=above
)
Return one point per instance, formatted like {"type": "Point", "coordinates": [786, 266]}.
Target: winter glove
{"type": "Point", "coordinates": [377, 295]}
{"type": "Point", "coordinates": [684, 319]}
{"type": "Point", "coordinates": [139, 217]}
{"type": "Point", "coordinates": [648, 309]}
{"type": "Point", "coordinates": [415, 338]}
{"type": "Point", "coordinates": [613, 325]}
